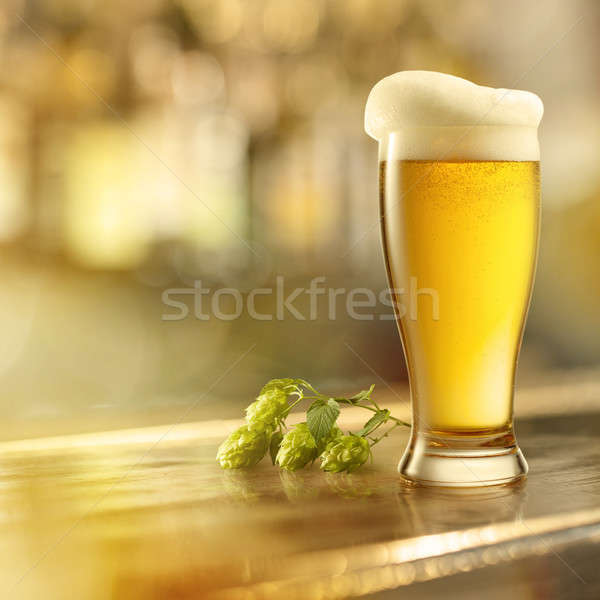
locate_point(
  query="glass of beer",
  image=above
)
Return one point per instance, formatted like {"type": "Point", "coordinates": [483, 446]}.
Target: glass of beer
{"type": "Point", "coordinates": [460, 203]}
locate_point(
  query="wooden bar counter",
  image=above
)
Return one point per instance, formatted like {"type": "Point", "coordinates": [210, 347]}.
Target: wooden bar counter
{"type": "Point", "coordinates": [147, 513]}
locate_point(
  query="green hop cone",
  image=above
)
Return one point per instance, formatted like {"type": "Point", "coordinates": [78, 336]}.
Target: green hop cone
{"type": "Point", "coordinates": [287, 385]}
{"type": "Point", "coordinates": [347, 453]}
{"type": "Point", "coordinates": [245, 447]}
{"type": "Point", "coordinates": [267, 409]}
{"type": "Point", "coordinates": [297, 449]}
{"type": "Point", "coordinates": [334, 435]}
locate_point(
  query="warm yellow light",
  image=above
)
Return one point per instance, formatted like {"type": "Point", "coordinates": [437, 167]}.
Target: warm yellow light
{"type": "Point", "coordinates": [106, 223]}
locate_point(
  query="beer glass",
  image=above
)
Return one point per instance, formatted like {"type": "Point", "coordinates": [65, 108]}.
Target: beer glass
{"type": "Point", "coordinates": [459, 220]}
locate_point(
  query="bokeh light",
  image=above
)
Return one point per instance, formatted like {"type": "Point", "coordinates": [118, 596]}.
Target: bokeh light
{"type": "Point", "coordinates": [148, 145]}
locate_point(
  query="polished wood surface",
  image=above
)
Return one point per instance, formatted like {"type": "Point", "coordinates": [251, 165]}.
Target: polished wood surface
{"type": "Point", "coordinates": [147, 513]}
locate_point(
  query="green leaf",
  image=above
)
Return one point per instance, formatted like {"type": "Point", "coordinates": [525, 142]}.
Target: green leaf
{"type": "Point", "coordinates": [274, 445]}
{"type": "Point", "coordinates": [345, 401]}
{"type": "Point", "coordinates": [379, 417]}
{"type": "Point", "coordinates": [364, 395]}
{"type": "Point", "coordinates": [321, 417]}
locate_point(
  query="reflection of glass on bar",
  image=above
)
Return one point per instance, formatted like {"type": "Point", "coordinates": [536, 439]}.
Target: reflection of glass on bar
{"type": "Point", "coordinates": [459, 185]}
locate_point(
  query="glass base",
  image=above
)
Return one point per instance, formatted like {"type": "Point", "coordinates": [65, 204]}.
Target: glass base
{"type": "Point", "coordinates": [462, 461]}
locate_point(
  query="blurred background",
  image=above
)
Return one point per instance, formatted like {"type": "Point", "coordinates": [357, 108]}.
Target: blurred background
{"type": "Point", "coordinates": [150, 144]}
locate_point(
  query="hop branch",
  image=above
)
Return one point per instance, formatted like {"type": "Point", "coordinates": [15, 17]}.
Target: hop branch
{"type": "Point", "coordinates": [319, 437]}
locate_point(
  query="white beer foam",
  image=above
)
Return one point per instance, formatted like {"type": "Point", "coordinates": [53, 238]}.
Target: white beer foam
{"type": "Point", "coordinates": [428, 115]}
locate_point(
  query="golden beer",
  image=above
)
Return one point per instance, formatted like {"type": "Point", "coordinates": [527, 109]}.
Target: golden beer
{"type": "Point", "coordinates": [468, 231]}
{"type": "Point", "coordinates": [459, 196]}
